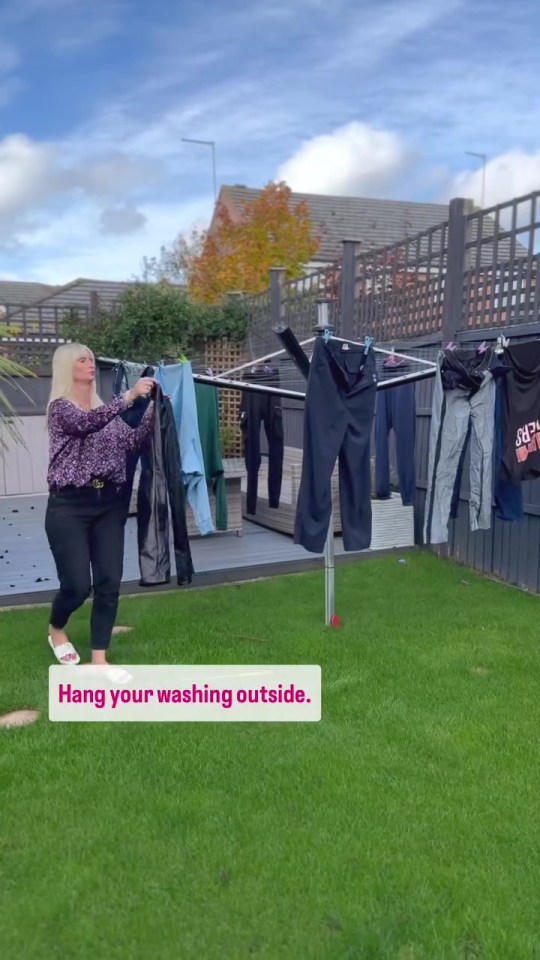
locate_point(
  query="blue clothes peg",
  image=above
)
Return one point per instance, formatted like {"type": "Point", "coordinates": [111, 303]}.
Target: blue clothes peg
{"type": "Point", "coordinates": [327, 335]}
{"type": "Point", "coordinates": [367, 344]}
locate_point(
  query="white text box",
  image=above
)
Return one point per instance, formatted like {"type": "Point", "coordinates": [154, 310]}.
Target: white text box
{"type": "Point", "coordinates": [138, 694]}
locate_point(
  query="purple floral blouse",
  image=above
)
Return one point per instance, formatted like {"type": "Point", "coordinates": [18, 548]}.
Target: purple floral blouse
{"type": "Point", "coordinates": [84, 444]}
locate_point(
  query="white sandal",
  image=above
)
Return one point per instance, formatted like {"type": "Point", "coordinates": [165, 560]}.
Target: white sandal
{"type": "Point", "coordinates": [64, 650]}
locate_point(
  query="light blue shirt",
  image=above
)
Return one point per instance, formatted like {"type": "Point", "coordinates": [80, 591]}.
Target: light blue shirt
{"type": "Point", "coordinates": [176, 380]}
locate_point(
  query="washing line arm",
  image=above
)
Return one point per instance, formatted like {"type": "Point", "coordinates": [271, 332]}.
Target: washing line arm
{"type": "Point", "coordinates": [289, 342]}
{"type": "Point", "coordinates": [248, 387]}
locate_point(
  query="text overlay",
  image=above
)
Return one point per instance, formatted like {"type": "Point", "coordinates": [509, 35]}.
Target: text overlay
{"type": "Point", "coordinates": [216, 694]}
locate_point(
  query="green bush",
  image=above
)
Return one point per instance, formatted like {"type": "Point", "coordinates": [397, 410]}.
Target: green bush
{"type": "Point", "coordinates": [154, 321]}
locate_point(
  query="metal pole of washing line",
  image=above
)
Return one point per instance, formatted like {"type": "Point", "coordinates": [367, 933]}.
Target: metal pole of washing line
{"type": "Point", "coordinates": [329, 558]}
{"type": "Point", "coordinates": [294, 349]}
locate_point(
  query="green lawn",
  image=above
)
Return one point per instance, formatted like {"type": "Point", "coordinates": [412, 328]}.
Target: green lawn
{"type": "Point", "coordinates": [404, 825]}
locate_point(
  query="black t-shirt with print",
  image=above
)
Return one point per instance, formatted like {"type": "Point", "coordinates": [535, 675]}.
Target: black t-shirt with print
{"type": "Point", "coordinates": [521, 411]}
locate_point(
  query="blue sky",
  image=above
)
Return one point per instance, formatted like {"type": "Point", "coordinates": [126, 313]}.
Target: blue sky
{"type": "Point", "coordinates": [364, 97]}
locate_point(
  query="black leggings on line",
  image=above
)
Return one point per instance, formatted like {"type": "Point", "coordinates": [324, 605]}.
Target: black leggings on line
{"type": "Point", "coordinates": [85, 529]}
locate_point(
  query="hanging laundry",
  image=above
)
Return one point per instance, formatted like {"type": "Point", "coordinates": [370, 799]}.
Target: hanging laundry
{"type": "Point", "coordinates": [160, 496]}
{"type": "Point", "coordinates": [161, 502]}
{"type": "Point", "coordinates": [508, 493]}
{"type": "Point", "coordinates": [521, 411]}
{"type": "Point", "coordinates": [396, 410]}
{"type": "Point", "coordinates": [208, 419]}
{"type": "Point", "coordinates": [257, 408]}
{"type": "Point", "coordinates": [177, 382]}
{"type": "Point", "coordinates": [463, 407]}
{"type": "Point", "coordinates": [338, 421]}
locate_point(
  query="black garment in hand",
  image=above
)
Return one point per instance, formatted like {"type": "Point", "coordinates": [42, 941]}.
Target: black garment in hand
{"type": "Point", "coordinates": [160, 489]}
{"type": "Point", "coordinates": [257, 408]}
{"type": "Point", "coordinates": [125, 377]}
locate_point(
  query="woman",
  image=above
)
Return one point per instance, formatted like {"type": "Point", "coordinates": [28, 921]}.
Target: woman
{"type": "Point", "coordinates": [87, 507]}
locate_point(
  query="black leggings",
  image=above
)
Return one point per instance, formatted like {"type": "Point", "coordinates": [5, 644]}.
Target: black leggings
{"type": "Point", "coordinates": [85, 529]}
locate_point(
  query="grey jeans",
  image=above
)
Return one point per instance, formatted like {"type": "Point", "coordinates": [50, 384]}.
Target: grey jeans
{"type": "Point", "coordinates": [452, 414]}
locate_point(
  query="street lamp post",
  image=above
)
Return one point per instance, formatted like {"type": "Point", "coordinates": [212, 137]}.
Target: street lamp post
{"type": "Point", "coordinates": [483, 158]}
{"type": "Point", "coordinates": [207, 143]}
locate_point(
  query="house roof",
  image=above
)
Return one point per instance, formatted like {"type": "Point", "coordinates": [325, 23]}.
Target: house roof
{"type": "Point", "coordinates": [22, 292]}
{"type": "Point", "coordinates": [78, 293]}
{"type": "Point", "coordinates": [373, 224]}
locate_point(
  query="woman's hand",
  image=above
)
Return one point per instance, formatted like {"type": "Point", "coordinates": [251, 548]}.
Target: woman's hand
{"type": "Point", "coordinates": [143, 388]}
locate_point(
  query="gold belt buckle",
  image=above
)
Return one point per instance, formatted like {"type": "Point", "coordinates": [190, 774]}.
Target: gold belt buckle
{"type": "Point", "coordinates": [98, 484]}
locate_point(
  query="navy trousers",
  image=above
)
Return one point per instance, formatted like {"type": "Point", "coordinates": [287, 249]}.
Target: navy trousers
{"type": "Point", "coordinates": [338, 422]}
{"type": "Point", "coordinates": [508, 495]}
{"type": "Point", "coordinates": [396, 409]}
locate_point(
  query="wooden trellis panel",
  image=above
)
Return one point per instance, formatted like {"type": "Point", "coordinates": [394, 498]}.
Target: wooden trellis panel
{"type": "Point", "coordinates": [221, 355]}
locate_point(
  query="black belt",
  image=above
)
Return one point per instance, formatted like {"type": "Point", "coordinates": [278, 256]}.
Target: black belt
{"type": "Point", "coordinates": [97, 483]}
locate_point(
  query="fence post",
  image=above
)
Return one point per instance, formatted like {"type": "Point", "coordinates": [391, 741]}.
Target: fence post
{"type": "Point", "coordinates": [348, 280]}
{"type": "Point", "coordinates": [277, 276]}
{"type": "Point", "coordinates": [94, 304]}
{"type": "Point", "coordinates": [455, 267]}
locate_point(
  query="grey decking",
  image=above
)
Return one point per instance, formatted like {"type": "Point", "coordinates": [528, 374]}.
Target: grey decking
{"type": "Point", "coordinates": [27, 572]}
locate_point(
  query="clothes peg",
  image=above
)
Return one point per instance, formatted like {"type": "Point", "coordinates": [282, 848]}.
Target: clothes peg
{"type": "Point", "coordinates": [394, 361]}
{"type": "Point", "coordinates": [326, 336]}
{"type": "Point", "coordinates": [502, 342]}
{"type": "Point", "coordinates": [367, 344]}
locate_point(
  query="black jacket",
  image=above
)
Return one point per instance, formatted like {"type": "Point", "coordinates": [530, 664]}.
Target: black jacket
{"type": "Point", "coordinates": [161, 500]}
{"type": "Point", "coordinates": [161, 488]}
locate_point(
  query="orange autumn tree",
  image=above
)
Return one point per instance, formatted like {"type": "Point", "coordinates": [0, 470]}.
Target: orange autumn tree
{"type": "Point", "coordinates": [270, 232]}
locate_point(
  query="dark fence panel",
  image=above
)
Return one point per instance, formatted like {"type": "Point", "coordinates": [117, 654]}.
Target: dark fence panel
{"type": "Point", "coordinates": [399, 291]}
{"type": "Point", "coordinates": [30, 334]}
{"type": "Point", "coordinates": [501, 264]}
{"type": "Point", "coordinates": [28, 397]}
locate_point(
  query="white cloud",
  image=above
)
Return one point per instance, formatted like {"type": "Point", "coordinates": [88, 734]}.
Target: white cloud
{"type": "Point", "coordinates": [37, 179]}
{"type": "Point", "coordinates": [354, 160]}
{"type": "Point", "coordinates": [512, 174]}
{"type": "Point", "coordinates": [26, 173]}
{"type": "Point", "coordinates": [72, 245]}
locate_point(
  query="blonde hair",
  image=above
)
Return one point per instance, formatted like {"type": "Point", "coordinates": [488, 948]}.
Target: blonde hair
{"type": "Point", "coordinates": [63, 362]}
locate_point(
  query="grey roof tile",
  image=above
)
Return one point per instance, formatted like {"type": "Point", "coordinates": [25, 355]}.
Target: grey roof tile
{"type": "Point", "coordinates": [77, 294]}
{"type": "Point", "coordinates": [23, 292]}
{"type": "Point", "coordinates": [373, 223]}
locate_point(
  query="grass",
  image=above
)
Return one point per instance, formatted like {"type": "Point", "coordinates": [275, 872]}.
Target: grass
{"type": "Point", "coordinates": [404, 825]}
